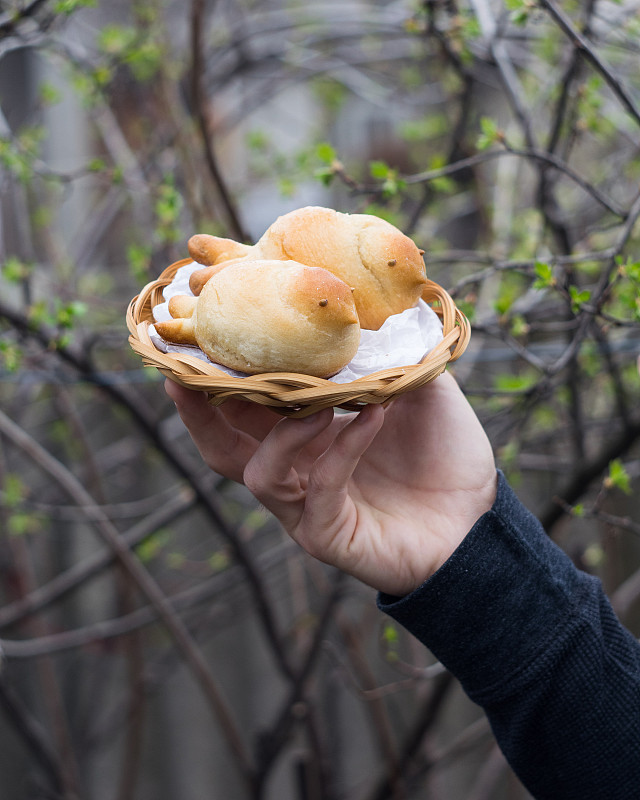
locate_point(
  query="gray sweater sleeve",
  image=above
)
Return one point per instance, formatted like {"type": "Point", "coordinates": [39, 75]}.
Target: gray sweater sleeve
{"type": "Point", "coordinates": [535, 642]}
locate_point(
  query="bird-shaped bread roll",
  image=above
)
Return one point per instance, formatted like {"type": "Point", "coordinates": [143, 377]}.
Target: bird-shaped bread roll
{"type": "Point", "coordinates": [384, 267]}
{"type": "Point", "coordinates": [269, 316]}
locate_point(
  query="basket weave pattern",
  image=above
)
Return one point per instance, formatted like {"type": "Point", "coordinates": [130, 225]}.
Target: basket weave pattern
{"type": "Point", "coordinates": [292, 394]}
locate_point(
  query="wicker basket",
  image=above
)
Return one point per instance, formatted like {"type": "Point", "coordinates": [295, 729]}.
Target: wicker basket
{"type": "Point", "coordinates": [292, 394]}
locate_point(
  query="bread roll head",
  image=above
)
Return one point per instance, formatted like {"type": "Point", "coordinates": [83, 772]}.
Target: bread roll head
{"type": "Point", "coordinates": [382, 265]}
{"type": "Point", "coordinates": [272, 316]}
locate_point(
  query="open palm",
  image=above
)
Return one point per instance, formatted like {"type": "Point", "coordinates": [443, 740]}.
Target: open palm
{"type": "Point", "coordinates": [385, 494]}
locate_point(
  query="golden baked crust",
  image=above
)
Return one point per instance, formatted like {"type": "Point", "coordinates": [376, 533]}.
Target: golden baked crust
{"type": "Point", "coordinates": [270, 316]}
{"type": "Point", "coordinates": [384, 267]}
{"type": "Point", "coordinates": [210, 250]}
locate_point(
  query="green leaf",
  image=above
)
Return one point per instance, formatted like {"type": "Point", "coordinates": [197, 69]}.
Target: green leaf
{"type": "Point", "coordinates": [519, 326]}
{"type": "Point", "coordinates": [10, 356]}
{"type": "Point", "coordinates": [330, 93]}
{"type": "Point", "coordinates": [578, 298]}
{"type": "Point", "coordinates": [391, 640]}
{"type": "Point", "coordinates": [67, 314]}
{"type": "Point", "coordinates": [520, 17]}
{"type": "Point", "coordinates": [219, 561]}
{"type": "Point", "coordinates": [69, 6]}
{"type": "Point", "coordinates": [471, 28]}
{"type": "Point", "coordinates": [520, 10]}
{"type": "Point", "coordinates": [326, 153]}
{"type": "Point", "coordinates": [286, 186]}
{"type": "Point", "coordinates": [629, 268]}
{"type": "Point", "coordinates": [508, 382]}
{"type": "Point", "coordinates": [444, 184]}
{"type": "Point", "coordinates": [85, 86]}
{"type": "Point", "coordinates": [96, 165]}
{"type": "Point", "coordinates": [15, 161]}
{"type": "Point", "coordinates": [257, 140]}
{"type": "Point", "coordinates": [14, 490]}
{"type": "Point", "coordinates": [378, 169]}
{"type": "Point", "coordinates": [468, 308]}
{"type": "Point", "coordinates": [490, 133]}
{"type": "Point", "coordinates": [145, 60]}
{"type": "Point", "coordinates": [101, 75]}
{"type": "Point", "coordinates": [618, 477]}
{"type": "Point", "coordinates": [168, 203]}
{"type": "Point", "coordinates": [115, 39]}
{"type": "Point", "coordinates": [151, 547]}
{"type": "Point", "coordinates": [139, 257]}
{"type": "Point", "coordinates": [391, 182]}
{"type": "Point", "coordinates": [510, 289]}
{"type": "Point", "coordinates": [324, 174]}
{"type": "Point", "coordinates": [49, 94]}
{"type": "Point", "coordinates": [390, 635]}
{"type": "Point", "coordinates": [15, 270]}
{"type": "Point", "coordinates": [39, 314]}
{"type": "Point", "coordinates": [21, 523]}
{"type": "Point", "coordinates": [545, 278]}
{"type": "Point", "coordinates": [392, 185]}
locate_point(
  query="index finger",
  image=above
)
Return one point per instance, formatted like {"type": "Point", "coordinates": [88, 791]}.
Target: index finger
{"type": "Point", "coordinates": [225, 448]}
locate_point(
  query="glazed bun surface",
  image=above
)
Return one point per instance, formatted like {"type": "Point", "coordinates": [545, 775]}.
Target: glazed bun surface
{"type": "Point", "coordinates": [270, 316]}
{"type": "Point", "coordinates": [384, 267]}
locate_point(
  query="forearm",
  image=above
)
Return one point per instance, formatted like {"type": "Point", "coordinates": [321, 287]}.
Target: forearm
{"type": "Point", "coordinates": [534, 641]}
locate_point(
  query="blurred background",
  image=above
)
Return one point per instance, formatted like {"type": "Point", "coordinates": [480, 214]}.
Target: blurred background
{"type": "Point", "coordinates": [162, 637]}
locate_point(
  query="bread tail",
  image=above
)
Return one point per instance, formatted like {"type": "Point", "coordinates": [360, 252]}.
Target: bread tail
{"type": "Point", "coordinates": [180, 329]}
{"type": "Point", "coordinates": [209, 250]}
{"type": "Point", "coordinates": [182, 306]}
{"type": "Point", "coordinates": [177, 331]}
{"type": "Point", "coordinates": [198, 278]}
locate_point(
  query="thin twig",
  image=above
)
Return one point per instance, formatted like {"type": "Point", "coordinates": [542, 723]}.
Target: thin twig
{"type": "Point", "coordinates": [197, 72]}
{"type": "Point", "coordinates": [144, 582]}
{"type": "Point", "coordinates": [69, 580]}
{"type": "Point", "coordinates": [215, 588]}
{"type": "Point", "coordinates": [615, 446]}
{"type": "Point", "coordinates": [585, 47]}
{"type": "Point", "coordinates": [541, 156]}
{"type": "Point", "coordinates": [149, 427]}
{"type": "Point", "coordinates": [31, 733]}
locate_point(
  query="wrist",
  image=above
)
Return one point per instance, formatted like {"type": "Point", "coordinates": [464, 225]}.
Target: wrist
{"type": "Point", "coordinates": [470, 507]}
{"type": "Point", "coordinates": [443, 535]}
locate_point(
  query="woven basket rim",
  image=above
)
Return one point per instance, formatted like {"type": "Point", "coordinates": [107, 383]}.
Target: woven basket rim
{"type": "Point", "coordinates": [294, 394]}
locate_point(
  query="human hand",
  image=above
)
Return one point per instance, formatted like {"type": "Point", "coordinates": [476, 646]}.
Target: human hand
{"type": "Point", "coordinates": [385, 495]}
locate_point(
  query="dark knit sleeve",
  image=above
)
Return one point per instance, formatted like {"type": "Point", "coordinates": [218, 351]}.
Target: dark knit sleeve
{"type": "Point", "coordinates": [535, 642]}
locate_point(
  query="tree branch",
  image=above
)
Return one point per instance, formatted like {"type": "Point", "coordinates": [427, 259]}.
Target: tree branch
{"type": "Point", "coordinates": [197, 71]}
{"type": "Point", "coordinates": [585, 47]}
{"type": "Point", "coordinates": [143, 581]}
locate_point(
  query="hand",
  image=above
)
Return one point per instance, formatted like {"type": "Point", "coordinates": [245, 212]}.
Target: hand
{"type": "Point", "coordinates": [385, 494]}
